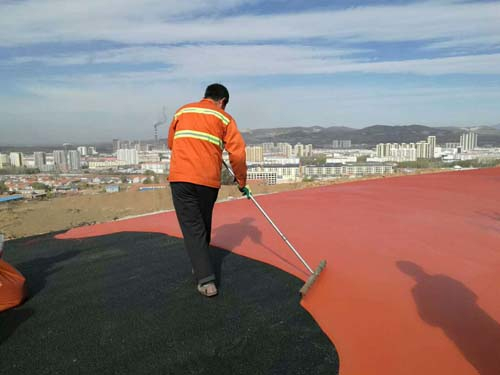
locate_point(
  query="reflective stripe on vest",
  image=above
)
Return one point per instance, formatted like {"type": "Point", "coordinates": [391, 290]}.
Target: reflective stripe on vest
{"type": "Point", "coordinates": [204, 111]}
{"type": "Point", "coordinates": [199, 135]}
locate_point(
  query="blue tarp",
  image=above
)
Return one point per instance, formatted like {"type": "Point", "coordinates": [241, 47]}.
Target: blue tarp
{"type": "Point", "coordinates": [9, 198]}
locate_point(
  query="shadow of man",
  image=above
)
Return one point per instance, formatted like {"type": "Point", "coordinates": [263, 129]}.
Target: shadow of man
{"type": "Point", "coordinates": [246, 228]}
{"type": "Point", "coordinates": [36, 272]}
{"type": "Point", "coordinates": [448, 304]}
{"type": "Point", "coordinates": [239, 231]}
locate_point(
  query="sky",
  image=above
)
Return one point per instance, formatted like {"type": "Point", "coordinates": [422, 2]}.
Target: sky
{"type": "Point", "coordinates": [95, 70]}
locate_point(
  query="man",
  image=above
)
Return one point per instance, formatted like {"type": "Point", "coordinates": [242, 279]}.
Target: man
{"type": "Point", "coordinates": [198, 134]}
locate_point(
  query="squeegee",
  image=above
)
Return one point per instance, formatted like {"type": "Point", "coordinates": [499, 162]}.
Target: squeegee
{"type": "Point", "coordinates": [313, 274]}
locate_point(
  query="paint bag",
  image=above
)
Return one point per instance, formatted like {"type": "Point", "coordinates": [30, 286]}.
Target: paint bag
{"type": "Point", "coordinates": [12, 286]}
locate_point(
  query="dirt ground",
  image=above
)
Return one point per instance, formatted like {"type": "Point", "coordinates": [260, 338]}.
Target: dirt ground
{"type": "Point", "coordinates": [27, 218]}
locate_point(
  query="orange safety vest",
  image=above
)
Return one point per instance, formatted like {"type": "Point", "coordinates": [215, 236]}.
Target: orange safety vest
{"type": "Point", "coordinates": [198, 134]}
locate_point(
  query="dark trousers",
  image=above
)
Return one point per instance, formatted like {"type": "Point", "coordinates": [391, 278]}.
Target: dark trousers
{"type": "Point", "coordinates": [194, 205]}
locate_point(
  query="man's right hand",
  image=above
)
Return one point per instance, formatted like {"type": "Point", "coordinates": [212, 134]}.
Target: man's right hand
{"type": "Point", "coordinates": [246, 191]}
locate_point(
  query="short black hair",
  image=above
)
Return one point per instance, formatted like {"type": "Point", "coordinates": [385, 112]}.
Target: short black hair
{"type": "Point", "coordinates": [216, 91]}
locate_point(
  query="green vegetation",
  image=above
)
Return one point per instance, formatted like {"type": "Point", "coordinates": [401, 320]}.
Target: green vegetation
{"type": "Point", "coordinates": [313, 160]}
{"type": "Point", "coordinates": [152, 177]}
{"type": "Point", "coordinates": [82, 186]}
{"type": "Point", "coordinates": [3, 187]}
{"type": "Point", "coordinates": [20, 170]}
{"type": "Point", "coordinates": [438, 163]}
{"type": "Point", "coordinates": [40, 186]}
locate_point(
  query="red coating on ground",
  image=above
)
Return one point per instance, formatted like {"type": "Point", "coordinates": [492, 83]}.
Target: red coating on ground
{"type": "Point", "coordinates": [413, 274]}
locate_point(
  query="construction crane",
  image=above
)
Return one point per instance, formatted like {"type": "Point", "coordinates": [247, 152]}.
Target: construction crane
{"type": "Point", "coordinates": [158, 124]}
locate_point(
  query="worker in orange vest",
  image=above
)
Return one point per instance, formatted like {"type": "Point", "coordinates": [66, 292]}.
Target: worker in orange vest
{"type": "Point", "coordinates": [197, 136]}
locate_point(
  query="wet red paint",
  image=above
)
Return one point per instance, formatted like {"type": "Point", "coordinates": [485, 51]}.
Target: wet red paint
{"type": "Point", "coordinates": [413, 274]}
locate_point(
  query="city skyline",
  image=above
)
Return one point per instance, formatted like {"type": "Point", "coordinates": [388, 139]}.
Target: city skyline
{"type": "Point", "coordinates": [273, 163]}
{"type": "Point", "coordinates": [85, 72]}
{"type": "Point", "coordinates": [149, 141]}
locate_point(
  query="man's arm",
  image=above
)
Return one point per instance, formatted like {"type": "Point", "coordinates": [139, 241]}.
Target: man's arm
{"type": "Point", "coordinates": [171, 133]}
{"type": "Point", "coordinates": [235, 146]}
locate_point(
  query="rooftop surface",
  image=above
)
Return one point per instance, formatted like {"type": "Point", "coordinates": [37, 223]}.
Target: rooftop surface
{"type": "Point", "coordinates": [126, 303]}
{"type": "Point", "coordinates": [411, 281]}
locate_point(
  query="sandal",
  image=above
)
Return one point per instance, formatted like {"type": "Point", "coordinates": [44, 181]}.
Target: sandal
{"type": "Point", "coordinates": [208, 289]}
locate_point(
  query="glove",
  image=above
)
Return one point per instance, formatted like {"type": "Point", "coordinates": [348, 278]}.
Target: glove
{"type": "Point", "coordinates": [246, 191]}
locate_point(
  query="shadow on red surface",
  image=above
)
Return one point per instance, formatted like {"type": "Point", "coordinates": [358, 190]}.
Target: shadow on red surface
{"type": "Point", "coordinates": [243, 229]}
{"type": "Point", "coordinates": [448, 304]}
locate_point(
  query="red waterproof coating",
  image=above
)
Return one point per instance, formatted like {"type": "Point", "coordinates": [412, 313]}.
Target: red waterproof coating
{"type": "Point", "coordinates": [412, 282]}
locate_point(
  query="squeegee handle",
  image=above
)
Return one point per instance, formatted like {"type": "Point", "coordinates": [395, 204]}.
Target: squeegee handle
{"type": "Point", "coordinates": [274, 225]}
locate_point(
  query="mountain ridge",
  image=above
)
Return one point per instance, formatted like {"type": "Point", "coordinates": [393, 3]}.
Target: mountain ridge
{"type": "Point", "coordinates": [320, 136]}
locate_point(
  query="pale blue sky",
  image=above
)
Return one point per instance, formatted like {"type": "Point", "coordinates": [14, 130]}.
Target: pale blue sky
{"type": "Point", "coordinates": [96, 70]}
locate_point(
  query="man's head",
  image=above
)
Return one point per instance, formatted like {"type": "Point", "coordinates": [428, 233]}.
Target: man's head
{"type": "Point", "coordinates": [218, 93]}
{"type": "Point", "coordinates": [411, 269]}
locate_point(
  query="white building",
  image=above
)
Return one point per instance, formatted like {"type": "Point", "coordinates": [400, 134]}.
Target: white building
{"type": "Point", "coordinates": [91, 150]}
{"type": "Point", "coordinates": [74, 163]}
{"type": "Point", "coordinates": [324, 171]}
{"type": "Point", "coordinates": [268, 177]}
{"type": "Point", "coordinates": [308, 150]}
{"type": "Point", "coordinates": [40, 159]}
{"type": "Point", "coordinates": [106, 163]}
{"type": "Point", "coordinates": [284, 172]}
{"type": "Point", "coordinates": [60, 160]}
{"type": "Point", "coordinates": [149, 157]}
{"type": "Point", "coordinates": [29, 161]}
{"type": "Point", "coordinates": [280, 161]}
{"type": "Point", "coordinates": [328, 171]}
{"type": "Point", "coordinates": [468, 141]}
{"type": "Point", "coordinates": [423, 149]}
{"type": "Point", "coordinates": [343, 159]}
{"type": "Point", "coordinates": [16, 159]}
{"type": "Point", "coordinates": [299, 150]}
{"type": "Point", "coordinates": [394, 152]}
{"type": "Point", "coordinates": [157, 167]}
{"type": "Point", "coordinates": [4, 160]}
{"type": "Point", "coordinates": [384, 149]}
{"type": "Point", "coordinates": [342, 143]}
{"type": "Point", "coordinates": [431, 139]}
{"type": "Point", "coordinates": [268, 147]}
{"type": "Point", "coordinates": [481, 154]}
{"type": "Point", "coordinates": [403, 154]}
{"type": "Point", "coordinates": [367, 169]}
{"type": "Point", "coordinates": [82, 150]}
{"type": "Point", "coordinates": [400, 152]}
{"type": "Point", "coordinates": [284, 149]}
{"type": "Point", "coordinates": [255, 154]}
{"type": "Point", "coordinates": [130, 156]}
{"type": "Point", "coordinates": [380, 150]}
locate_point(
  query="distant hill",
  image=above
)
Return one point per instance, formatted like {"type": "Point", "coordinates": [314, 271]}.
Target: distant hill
{"type": "Point", "coordinates": [369, 136]}
{"type": "Point", "coordinates": [320, 136]}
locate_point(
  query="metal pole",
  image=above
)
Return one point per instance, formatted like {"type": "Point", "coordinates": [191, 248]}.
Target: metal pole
{"type": "Point", "coordinates": [274, 226]}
